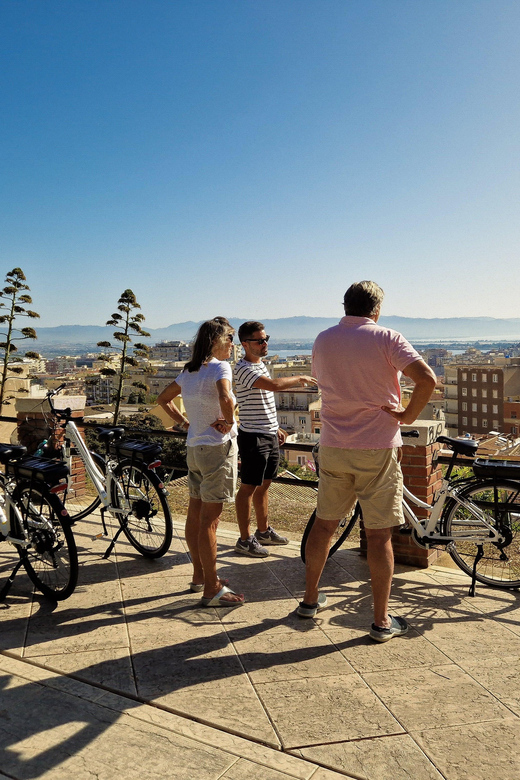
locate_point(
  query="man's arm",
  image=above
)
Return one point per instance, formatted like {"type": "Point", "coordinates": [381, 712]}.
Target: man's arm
{"type": "Point", "coordinates": [284, 382]}
{"type": "Point", "coordinates": [425, 380]}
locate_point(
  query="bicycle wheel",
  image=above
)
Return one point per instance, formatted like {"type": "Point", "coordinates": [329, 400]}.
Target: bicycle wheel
{"type": "Point", "coordinates": [146, 521]}
{"type": "Point", "coordinates": [500, 565]}
{"type": "Point", "coordinates": [82, 503]}
{"type": "Point", "coordinates": [51, 559]}
{"type": "Point", "coordinates": [344, 528]}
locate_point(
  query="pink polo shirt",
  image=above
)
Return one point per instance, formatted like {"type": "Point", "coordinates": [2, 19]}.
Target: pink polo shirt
{"type": "Point", "coordinates": [357, 364]}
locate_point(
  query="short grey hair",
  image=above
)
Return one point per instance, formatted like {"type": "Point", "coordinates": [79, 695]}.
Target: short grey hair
{"type": "Point", "coordinates": [363, 299]}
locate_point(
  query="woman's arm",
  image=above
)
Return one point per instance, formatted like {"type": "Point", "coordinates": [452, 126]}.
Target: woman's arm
{"type": "Point", "coordinates": [164, 400]}
{"type": "Point", "coordinates": [227, 406]}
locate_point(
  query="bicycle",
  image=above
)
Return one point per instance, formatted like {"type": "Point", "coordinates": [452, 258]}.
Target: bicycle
{"type": "Point", "coordinates": [124, 483]}
{"type": "Point", "coordinates": [35, 521]}
{"type": "Point", "coordinates": [475, 518]}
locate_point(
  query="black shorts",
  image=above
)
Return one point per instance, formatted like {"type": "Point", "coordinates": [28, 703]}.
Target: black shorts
{"type": "Point", "coordinates": [259, 454]}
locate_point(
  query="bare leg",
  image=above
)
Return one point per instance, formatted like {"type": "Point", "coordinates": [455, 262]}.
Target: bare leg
{"type": "Point", "coordinates": [380, 557]}
{"type": "Point", "coordinates": [243, 503]}
{"type": "Point", "coordinates": [261, 505]}
{"type": "Point", "coordinates": [316, 552]}
{"type": "Point", "coordinates": [209, 516]}
{"type": "Point", "coordinates": [192, 538]}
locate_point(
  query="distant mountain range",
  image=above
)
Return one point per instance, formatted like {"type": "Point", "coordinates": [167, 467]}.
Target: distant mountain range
{"type": "Point", "coordinates": [301, 329]}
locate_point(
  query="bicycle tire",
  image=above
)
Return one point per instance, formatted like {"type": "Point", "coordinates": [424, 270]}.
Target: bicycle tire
{"type": "Point", "coordinates": [148, 524]}
{"type": "Point", "coordinates": [51, 560]}
{"type": "Point", "coordinates": [491, 569]}
{"type": "Point", "coordinates": [75, 505]}
{"type": "Point", "coordinates": [343, 530]}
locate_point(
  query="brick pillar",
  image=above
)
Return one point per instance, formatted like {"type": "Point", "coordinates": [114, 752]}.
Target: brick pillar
{"type": "Point", "coordinates": [422, 476]}
{"type": "Point", "coordinates": [35, 423]}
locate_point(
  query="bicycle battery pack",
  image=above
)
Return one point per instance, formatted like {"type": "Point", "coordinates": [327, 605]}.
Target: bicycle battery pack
{"type": "Point", "coordinates": [142, 451]}
{"type": "Point", "coordinates": [42, 469]}
{"type": "Point", "coordinates": [497, 469]}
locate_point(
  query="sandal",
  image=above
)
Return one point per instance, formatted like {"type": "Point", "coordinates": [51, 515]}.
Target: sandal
{"type": "Point", "coordinates": [218, 601]}
{"type": "Point", "coordinates": [198, 587]}
{"type": "Point", "coordinates": [309, 610]}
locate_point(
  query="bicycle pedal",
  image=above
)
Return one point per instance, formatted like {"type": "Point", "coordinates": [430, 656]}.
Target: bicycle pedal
{"type": "Point", "coordinates": [100, 536]}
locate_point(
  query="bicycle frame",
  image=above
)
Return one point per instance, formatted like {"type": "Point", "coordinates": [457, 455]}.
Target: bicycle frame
{"type": "Point", "coordinates": [6, 508]}
{"type": "Point", "coordinates": [101, 482]}
{"type": "Point", "coordinates": [427, 529]}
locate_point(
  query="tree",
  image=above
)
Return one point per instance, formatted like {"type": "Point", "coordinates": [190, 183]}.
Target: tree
{"type": "Point", "coordinates": [13, 300]}
{"type": "Point", "coordinates": [127, 324]}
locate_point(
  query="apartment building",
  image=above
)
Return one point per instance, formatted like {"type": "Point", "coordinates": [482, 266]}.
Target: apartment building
{"type": "Point", "coordinates": [171, 351]}
{"type": "Point", "coordinates": [476, 396]}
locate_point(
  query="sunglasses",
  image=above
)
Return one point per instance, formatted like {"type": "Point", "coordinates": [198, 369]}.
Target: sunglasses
{"type": "Point", "coordinates": [259, 341]}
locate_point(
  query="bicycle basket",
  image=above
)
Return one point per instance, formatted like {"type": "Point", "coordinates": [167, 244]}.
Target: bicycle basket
{"type": "Point", "coordinates": [42, 469]}
{"type": "Point", "coordinates": [142, 451]}
{"type": "Point", "coordinates": [497, 469]}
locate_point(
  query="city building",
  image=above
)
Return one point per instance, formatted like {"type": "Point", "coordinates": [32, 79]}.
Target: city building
{"type": "Point", "coordinates": [476, 396]}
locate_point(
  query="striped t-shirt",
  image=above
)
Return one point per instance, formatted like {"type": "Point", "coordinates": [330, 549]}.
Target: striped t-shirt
{"type": "Point", "coordinates": [257, 409]}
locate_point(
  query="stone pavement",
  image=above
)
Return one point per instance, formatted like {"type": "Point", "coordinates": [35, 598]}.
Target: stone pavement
{"type": "Point", "coordinates": [131, 678]}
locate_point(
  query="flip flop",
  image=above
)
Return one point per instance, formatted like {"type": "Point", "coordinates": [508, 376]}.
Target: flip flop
{"type": "Point", "coordinates": [309, 610]}
{"type": "Point", "coordinates": [218, 601]}
{"type": "Point", "coordinates": [196, 587]}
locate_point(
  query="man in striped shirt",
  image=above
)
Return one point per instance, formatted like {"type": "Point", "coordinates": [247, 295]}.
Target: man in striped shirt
{"type": "Point", "coordinates": [259, 438]}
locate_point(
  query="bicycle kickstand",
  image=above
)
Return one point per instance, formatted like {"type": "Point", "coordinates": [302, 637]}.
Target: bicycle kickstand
{"type": "Point", "coordinates": [7, 587]}
{"type": "Point", "coordinates": [478, 556]}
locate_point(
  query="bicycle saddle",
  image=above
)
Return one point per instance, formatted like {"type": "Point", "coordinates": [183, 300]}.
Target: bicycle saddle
{"type": "Point", "coordinates": [106, 434]}
{"type": "Point", "coordinates": [11, 452]}
{"type": "Point", "coordinates": [467, 447]}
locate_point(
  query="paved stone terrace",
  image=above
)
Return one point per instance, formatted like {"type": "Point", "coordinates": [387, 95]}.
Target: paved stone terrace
{"type": "Point", "coordinates": [131, 678]}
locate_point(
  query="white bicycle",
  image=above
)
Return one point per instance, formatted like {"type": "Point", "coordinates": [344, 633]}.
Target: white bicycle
{"type": "Point", "coordinates": [124, 483]}
{"type": "Point", "coordinates": [477, 519]}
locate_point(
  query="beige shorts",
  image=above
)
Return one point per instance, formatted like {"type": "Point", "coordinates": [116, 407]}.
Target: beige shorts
{"type": "Point", "coordinates": [373, 477]}
{"type": "Point", "coordinates": [212, 472]}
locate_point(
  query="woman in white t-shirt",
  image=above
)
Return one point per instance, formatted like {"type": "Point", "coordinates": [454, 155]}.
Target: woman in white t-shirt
{"type": "Point", "coordinates": [205, 385]}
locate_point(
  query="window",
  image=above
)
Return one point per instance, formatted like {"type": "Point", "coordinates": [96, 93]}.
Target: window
{"type": "Point", "coordinates": [484, 408]}
{"type": "Point", "coordinates": [513, 415]}
{"type": "Point", "coordinates": [473, 407]}
{"type": "Point", "coordinates": [317, 430]}
{"type": "Point", "coordinates": [495, 424]}
{"type": "Point", "coordinates": [283, 420]}
{"type": "Point", "coordinates": [473, 377]}
{"type": "Point", "coordinates": [474, 422]}
{"type": "Point", "coordinates": [484, 393]}
{"type": "Point", "coordinates": [464, 420]}
{"type": "Point", "coordinates": [474, 392]}
{"type": "Point", "coordinates": [484, 377]}
{"type": "Point", "coordinates": [514, 429]}
{"type": "Point", "coordinates": [464, 406]}
{"type": "Point", "coordinates": [495, 409]}
{"type": "Point", "coordinates": [495, 377]}
{"type": "Point", "coordinates": [464, 391]}
{"type": "Point", "coordinates": [301, 420]}
{"type": "Point", "coordinates": [301, 460]}
{"type": "Point", "coordinates": [495, 393]}
{"type": "Point", "coordinates": [464, 376]}
{"type": "Point", "coordinates": [484, 424]}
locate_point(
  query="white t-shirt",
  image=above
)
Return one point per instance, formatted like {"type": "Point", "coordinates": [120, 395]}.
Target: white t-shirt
{"type": "Point", "coordinates": [200, 396]}
{"type": "Point", "coordinates": [257, 408]}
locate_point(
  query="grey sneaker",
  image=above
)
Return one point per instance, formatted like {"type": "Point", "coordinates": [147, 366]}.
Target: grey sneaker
{"type": "Point", "coordinates": [251, 547]}
{"type": "Point", "coordinates": [399, 626]}
{"type": "Point", "coordinates": [270, 537]}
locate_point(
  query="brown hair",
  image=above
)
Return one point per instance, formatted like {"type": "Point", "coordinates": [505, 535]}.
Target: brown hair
{"type": "Point", "coordinates": [248, 328]}
{"type": "Point", "coordinates": [209, 332]}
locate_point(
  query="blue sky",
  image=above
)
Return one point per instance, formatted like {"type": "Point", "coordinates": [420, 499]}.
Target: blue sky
{"type": "Point", "coordinates": [253, 158]}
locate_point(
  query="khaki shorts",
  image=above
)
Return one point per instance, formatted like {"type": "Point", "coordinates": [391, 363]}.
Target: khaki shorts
{"type": "Point", "coordinates": [212, 472]}
{"type": "Point", "coordinates": [373, 477]}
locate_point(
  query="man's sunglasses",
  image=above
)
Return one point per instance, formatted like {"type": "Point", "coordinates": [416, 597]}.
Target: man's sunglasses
{"type": "Point", "coordinates": [259, 341]}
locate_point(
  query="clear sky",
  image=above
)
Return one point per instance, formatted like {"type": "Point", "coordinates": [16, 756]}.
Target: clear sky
{"type": "Point", "coordinates": [252, 158]}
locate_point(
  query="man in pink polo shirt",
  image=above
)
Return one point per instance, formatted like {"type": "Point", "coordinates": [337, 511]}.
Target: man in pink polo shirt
{"type": "Point", "coordinates": [358, 364]}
